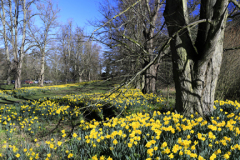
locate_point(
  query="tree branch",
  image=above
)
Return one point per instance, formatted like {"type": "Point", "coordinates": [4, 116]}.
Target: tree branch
{"type": "Point", "coordinates": [233, 16]}
{"type": "Point", "coordinates": [235, 2]}
{"type": "Point", "coordinates": [229, 49]}
{"type": "Point", "coordinates": [164, 47]}
{"type": "Point", "coordinates": [115, 17]}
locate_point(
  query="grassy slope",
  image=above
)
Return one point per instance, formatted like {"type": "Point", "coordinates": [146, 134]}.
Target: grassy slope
{"type": "Point", "coordinates": [101, 87]}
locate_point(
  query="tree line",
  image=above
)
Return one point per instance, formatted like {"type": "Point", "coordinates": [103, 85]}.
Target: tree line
{"type": "Point", "coordinates": [36, 46]}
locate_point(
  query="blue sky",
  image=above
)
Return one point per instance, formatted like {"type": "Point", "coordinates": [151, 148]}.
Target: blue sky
{"type": "Point", "coordinates": [80, 11]}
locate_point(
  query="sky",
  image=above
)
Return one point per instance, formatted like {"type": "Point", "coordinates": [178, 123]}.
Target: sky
{"type": "Point", "coordinates": [80, 11]}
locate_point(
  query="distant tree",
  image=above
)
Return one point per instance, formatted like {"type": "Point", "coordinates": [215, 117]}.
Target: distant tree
{"type": "Point", "coordinates": [30, 68]}
{"type": "Point", "coordinates": [78, 54]}
{"type": "Point", "coordinates": [66, 45]}
{"type": "Point", "coordinates": [80, 57]}
{"type": "Point", "coordinates": [91, 60]}
{"type": "Point", "coordinates": [56, 63]}
{"type": "Point", "coordinates": [229, 78]}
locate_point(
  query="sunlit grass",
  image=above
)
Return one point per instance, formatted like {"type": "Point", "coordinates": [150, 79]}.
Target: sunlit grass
{"type": "Point", "coordinates": [57, 128]}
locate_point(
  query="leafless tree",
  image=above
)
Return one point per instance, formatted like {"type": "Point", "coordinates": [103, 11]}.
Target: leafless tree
{"type": "Point", "coordinates": [16, 15]}
{"type": "Point", "coordinates": [42, 36]}
{"type": "Point", "coordinates": [78, 54]}
{"type": "Point", "coordinates": [80, 57]}
{"type": "Point", "coordinates": [5, 38]}
{"type": "Point", "coordinates": [133, 38]}
{"type": "Point", "coordinates": [66, 46]}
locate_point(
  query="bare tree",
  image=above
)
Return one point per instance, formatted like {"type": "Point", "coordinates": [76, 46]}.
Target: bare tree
{"type": "Point", "coordinates": [56, 63]}
{"type": "Point", "coordinates": [43, 36]}
{"type": "Point", "coordinates": [5, 38]}
{"type": "Point", "coordinates": [90, 60]}
{"type": "Point", "coordinates": [66, 45]}
{"type": "Point", "coordinates": [134, 37]}
{"type": "Point", "coordinates": [18, 14]}
{"type": "Point", "coordinates": [78, 54]}
{"type": "Point", "coordinates": [80, 57]}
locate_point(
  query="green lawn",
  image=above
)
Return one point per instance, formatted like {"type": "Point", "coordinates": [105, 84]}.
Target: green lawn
{"type": "Point", "coordinates": [100, 87]}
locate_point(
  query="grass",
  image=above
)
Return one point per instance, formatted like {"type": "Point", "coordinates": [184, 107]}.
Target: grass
{"type": "Point", "coordinates": [11, 86]}
{"type": "Point", "coordinates": [60, 127]}
{"type": "Point", "coordinates": [88, 88]}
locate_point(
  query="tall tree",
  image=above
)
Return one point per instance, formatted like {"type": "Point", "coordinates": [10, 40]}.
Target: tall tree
{"type": "Point", "coordinates": [134, 38]}
{"type": "Point", "coordinates": [18, 14]}
{"type": "Point", "coordinates": [78, 55]}
{"type": "Point", "coordinates": [42, 37]}
{"type": "Point", "coordinates": [66, 45]}
{"type": "Point", "coordinates": [5, 38]}
{"type": "Point", "coordinates": [196, 64]}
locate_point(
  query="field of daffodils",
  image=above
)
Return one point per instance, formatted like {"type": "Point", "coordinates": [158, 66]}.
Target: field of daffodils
{"type": "Point", "coordinates": [81, 127]}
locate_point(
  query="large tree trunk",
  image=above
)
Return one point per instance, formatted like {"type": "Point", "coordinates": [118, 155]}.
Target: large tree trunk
{"type": "Point", "coordinates": [196, 66]}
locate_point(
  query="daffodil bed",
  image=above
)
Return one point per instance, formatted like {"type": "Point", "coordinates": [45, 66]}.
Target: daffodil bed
{"type": "Point", "coordinates": [4, 96]}
{"type": "Point", "coordinates": [54, 128]}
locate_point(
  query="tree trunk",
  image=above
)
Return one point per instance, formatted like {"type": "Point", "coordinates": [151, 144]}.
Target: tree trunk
{"type": "Point", "coordinates": [196, 66]}
{"type": "Point", "coordinates": [140, 82]}
{"type": "Point", "coordinates": [18, 65]}
{"type": "Point", "coordinates": [150, 80]}
{"type": "Point", "coordinates": [66, 68]}
{"type": "Point", "coordinates": [8, 72]}
{"type": "Point", "coordinates": [41, 78]}
{"type": "Point", "coordinates": [148, 32]}
{"type": "Point", "coordinates": [150, 75]}
{"type": "Point", "coordinates": [18, 54]}
{"type": "Point", "coordinates": [3, 19]}
{"type": "Point", "coordinates": [89, 76]}
{"type": "Point", "coordinates": [80, 75]}
{"type": "Point", "coordinates": [80, 78]}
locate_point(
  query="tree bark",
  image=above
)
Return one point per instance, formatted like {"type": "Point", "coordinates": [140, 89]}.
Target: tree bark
{"type": "Point", "coordinates": [196, 65]}
{"type": "Point", "coordinates": [150, 78]}
{"type": "Point", "coordinates": [41, 78]}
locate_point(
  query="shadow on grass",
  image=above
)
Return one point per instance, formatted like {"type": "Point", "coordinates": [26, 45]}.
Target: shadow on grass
{"type": "Point", "coordinates": [7, 101]}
